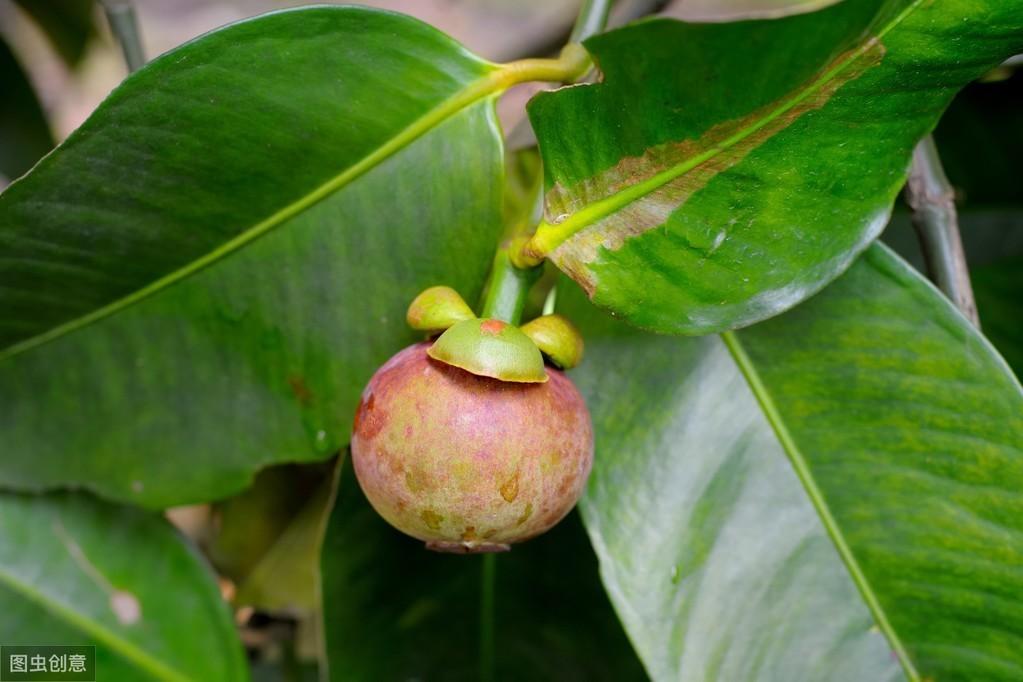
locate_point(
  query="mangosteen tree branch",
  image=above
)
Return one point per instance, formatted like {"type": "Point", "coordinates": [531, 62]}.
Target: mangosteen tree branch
{"type": "Point", "coordinates": [932, 198]}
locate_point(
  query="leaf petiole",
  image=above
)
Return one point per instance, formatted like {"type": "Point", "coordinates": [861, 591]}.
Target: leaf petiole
{"type": "Point", "coordinates": [571, 64]}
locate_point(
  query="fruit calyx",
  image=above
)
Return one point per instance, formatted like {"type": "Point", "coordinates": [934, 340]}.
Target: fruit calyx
{"type": "Point", "coordinates": [490, 347]}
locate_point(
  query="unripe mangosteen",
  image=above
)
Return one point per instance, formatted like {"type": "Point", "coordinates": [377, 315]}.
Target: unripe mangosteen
{"type": "Point", "coordinates": [469, 463]}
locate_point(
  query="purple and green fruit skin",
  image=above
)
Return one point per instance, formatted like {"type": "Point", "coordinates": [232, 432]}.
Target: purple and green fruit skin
{"type": "Point", "coordinates": [469, 463]}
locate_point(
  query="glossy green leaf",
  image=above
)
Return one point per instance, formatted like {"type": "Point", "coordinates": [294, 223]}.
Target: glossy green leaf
{"type": "Point", "coordinates": [395, 611]}
{"type": "Point", "coordinates": [735, 183]}
{"type": "Point", "coordinates": [74, 570]}
{"type": "Point", "coordinates": [201, 279]}
{"type": "Point", "coordinates": [24, 133]}
{"type": "Point", "coordinates": [906, 429]}
{"type": "Point", "coordinates": [713, 556]}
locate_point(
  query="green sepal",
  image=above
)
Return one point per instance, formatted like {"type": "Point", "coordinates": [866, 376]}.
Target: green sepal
{"type": "Point", "coordinates": [557, 338]}
{"type": "Point", "coordinates": [436, 309]}
{"type": "Point", "coordinates": [491, 348]}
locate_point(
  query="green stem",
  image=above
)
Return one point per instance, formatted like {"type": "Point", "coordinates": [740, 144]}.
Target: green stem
{"type": "Point", "coordinates": [572, 63]}
{"type": "Point", "coordinates": [932, 199]}
{"type": "Point", "coordinates": [591, 20]}
{"type": "Point", "coordinates": [508, 287]}
{"type": "Point", "coordinates": [125, 27]}
{"type": "Point", "coordinates": [487, 658]}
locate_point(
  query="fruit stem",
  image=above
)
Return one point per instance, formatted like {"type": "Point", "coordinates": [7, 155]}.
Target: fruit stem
{"type": "Point", "coordinates": [508, 286]}
{"type": "Point", "coordinates": [487, 580]}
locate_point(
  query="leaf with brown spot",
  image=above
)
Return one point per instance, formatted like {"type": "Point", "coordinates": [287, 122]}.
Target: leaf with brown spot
{"type": "Point", "coordinates": [75, 570]}
{"type": "Point", "coordinates": [722, 173]}
{"type": "Point", "coordinates": [301, 390]}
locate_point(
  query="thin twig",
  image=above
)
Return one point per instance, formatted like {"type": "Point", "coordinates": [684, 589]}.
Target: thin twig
{"type": "Point", "coordinates": [932, 199]}
{"type": "Point", "coordinates": [125, 27]}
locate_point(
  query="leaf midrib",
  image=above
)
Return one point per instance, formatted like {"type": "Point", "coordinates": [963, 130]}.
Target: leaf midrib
{"type": "Point", "coordinates": [551, 235]}
{"type": "Point", "coordinates": [799, 465]}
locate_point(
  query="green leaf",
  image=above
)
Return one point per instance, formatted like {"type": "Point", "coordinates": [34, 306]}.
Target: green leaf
{"type": "Point", "coordinates": [74, 570]}
{"type": "Point", "coordinates": [24, 133]}
{"type": "Point", "coordinates": [713, 556]}
{"type": "Point", "coordinates": [201, 279]}
{"type": "Point", "coordinates": [739, 181]}
{"type": "Point", "coordinates": [395, 611]}
{"type": "Point", "coordinates": [906, 430]}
